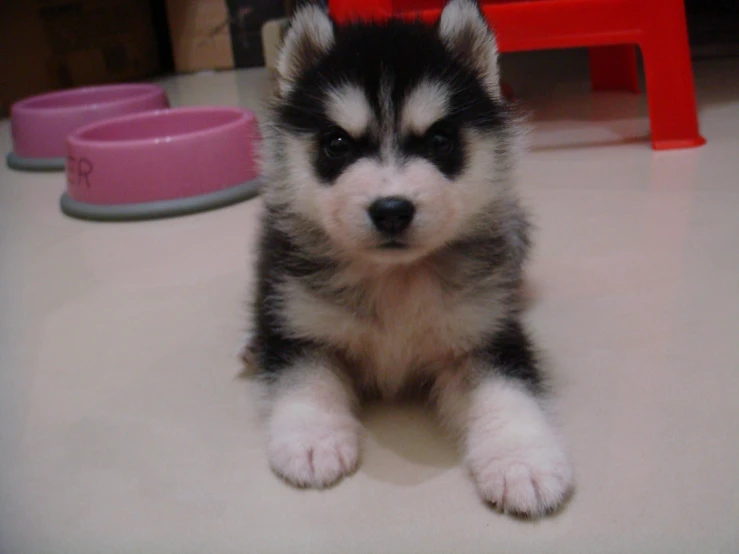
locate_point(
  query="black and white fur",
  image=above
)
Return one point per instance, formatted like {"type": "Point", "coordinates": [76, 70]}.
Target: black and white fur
{"type": "Point", "coordinates": [355, 300]}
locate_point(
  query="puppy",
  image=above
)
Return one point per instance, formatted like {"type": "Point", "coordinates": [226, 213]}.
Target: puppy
{"type": "Point", "coordinates": [391, 254]}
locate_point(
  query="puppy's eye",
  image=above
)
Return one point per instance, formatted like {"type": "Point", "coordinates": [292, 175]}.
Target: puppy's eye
{"type": "Point", "coordinates": [441, 141]}
{"type": "Point", "coordinates": [337, 145]}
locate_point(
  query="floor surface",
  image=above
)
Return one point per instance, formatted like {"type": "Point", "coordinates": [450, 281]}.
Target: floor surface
{"type": "Point", "coordinates": [124, 427]}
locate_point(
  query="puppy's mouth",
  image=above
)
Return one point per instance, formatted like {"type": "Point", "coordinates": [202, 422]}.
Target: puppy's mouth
{"type": "Point", "coordinates": [393, 245]}
{"type": "Point", "coordinates": [395, 251]}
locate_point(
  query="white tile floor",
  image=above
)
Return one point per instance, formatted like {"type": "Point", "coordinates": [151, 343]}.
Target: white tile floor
{"type": "Point", "coordinates": [123, 427]}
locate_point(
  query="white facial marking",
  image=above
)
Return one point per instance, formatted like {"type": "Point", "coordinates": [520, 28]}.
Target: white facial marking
{"type": "Point", "coordinates": [425, 105]}
{"type": "Point", "coordinates": [343, 205]}
{"type": "Point", "coordinates": [349, 109]}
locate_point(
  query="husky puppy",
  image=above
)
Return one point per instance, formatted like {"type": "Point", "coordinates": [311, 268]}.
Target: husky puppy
{"type": "Point", "coordinates": [391, 254]}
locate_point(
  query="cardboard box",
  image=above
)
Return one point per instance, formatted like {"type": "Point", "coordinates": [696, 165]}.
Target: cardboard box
{"type": "Point", "coordinates": [200, 33]}
{"type": "Point", "coordinates": [273, 34]}
{"type": "Point", "coordinates": [219, 34]}
{"type": "Point", "coordinates": [53, 44]}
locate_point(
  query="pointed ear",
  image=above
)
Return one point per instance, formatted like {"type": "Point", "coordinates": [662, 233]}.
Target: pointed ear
{"type": "Point", "coordinates": [465, 32]}
{"type": "Point", "coordinates": [310, 35]}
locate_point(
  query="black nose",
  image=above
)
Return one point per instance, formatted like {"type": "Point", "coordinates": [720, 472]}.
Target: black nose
{"type": "Point", "coordinates": [392, 214]}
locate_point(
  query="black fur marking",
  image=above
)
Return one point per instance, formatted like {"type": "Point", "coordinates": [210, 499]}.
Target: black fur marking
{"type": "Point", "coordinates": [470, 106]}
{"type": "Point", "coordinates": [450, 162]}
{"type": "Point", "coordinates": [329, 169]}
{"type": "Point", "coordinates": [279, 257]}
{"type": "Point", "coordinates": [304, 111]}
{"type": "Point", "coordinates": [282, 256]}
{"type": "Point", "coordinates": [275, 350]}
{"type": "Point", "coordinates": [511, 354]}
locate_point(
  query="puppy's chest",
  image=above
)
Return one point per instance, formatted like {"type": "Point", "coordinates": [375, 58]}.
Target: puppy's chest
{"type": "Point", "coordinates": [392, 329]}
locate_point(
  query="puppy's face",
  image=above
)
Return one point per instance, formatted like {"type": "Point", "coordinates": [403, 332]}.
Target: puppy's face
{"type": "Point", "coordinates": [392, 138]}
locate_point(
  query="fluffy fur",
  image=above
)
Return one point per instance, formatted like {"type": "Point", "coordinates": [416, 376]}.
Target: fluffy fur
{"type": "Point", "coordinates": [392, 250]}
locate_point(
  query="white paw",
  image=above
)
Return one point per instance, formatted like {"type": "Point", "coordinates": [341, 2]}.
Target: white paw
{"type": "Point", "coordinates": [521, 477]}
{"type": "Point", "coordinates": [513, 452]}
{"type": "Point", "coordinates": [315, 451]}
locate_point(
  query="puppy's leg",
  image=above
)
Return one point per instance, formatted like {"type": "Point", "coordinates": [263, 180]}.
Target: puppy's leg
{"type": "Point", "coordinates": [513, 452]}
{"type": "Point", "coordinates": [313, 434]}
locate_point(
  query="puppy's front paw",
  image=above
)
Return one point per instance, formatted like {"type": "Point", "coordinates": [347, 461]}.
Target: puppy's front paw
{"type": "Point", "coordinates": [521, 477]}
{"type": "Point", "coordinates": [314, 451]}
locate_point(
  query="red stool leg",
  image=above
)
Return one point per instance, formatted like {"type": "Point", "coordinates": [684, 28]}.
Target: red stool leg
{"type": "Point", "coordinates": [614, 68]}
{"type": "Point", "coordinates": [670, 90]}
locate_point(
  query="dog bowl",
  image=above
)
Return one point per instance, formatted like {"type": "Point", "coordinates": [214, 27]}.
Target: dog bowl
{"type": "Point", "coordinates": [40, 124]}
{"type": "Point", "coordinates": [161, 163]}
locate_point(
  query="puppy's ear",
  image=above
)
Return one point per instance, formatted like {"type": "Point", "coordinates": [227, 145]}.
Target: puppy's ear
{"type": "Point", "coordinates": [465, 32]}
{"type": "Point", "coordinates": [310, 35]}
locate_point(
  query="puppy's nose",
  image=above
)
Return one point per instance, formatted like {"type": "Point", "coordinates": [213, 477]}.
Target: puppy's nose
{"type": "Point", "coordinates": [392, 215]}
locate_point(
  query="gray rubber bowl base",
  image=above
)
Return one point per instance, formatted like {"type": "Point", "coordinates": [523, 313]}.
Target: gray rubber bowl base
{"type": "Point", "coordinates": [161, 208]}
{"type": "Point", "coordinates": [34, 164]}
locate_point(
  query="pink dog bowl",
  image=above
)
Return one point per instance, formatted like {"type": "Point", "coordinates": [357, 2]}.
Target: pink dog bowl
{"type": "Point", "coordinates": [40, 124]}
{"type": "Point", "coordinates": [161, 163]}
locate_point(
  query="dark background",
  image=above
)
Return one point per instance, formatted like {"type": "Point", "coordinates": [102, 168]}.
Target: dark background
{"type": "Point", "coordinates": [51, 44]}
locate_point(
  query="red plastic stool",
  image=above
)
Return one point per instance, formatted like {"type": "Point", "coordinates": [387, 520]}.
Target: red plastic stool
{"type": "Point", "coordinates": [610, 28]}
